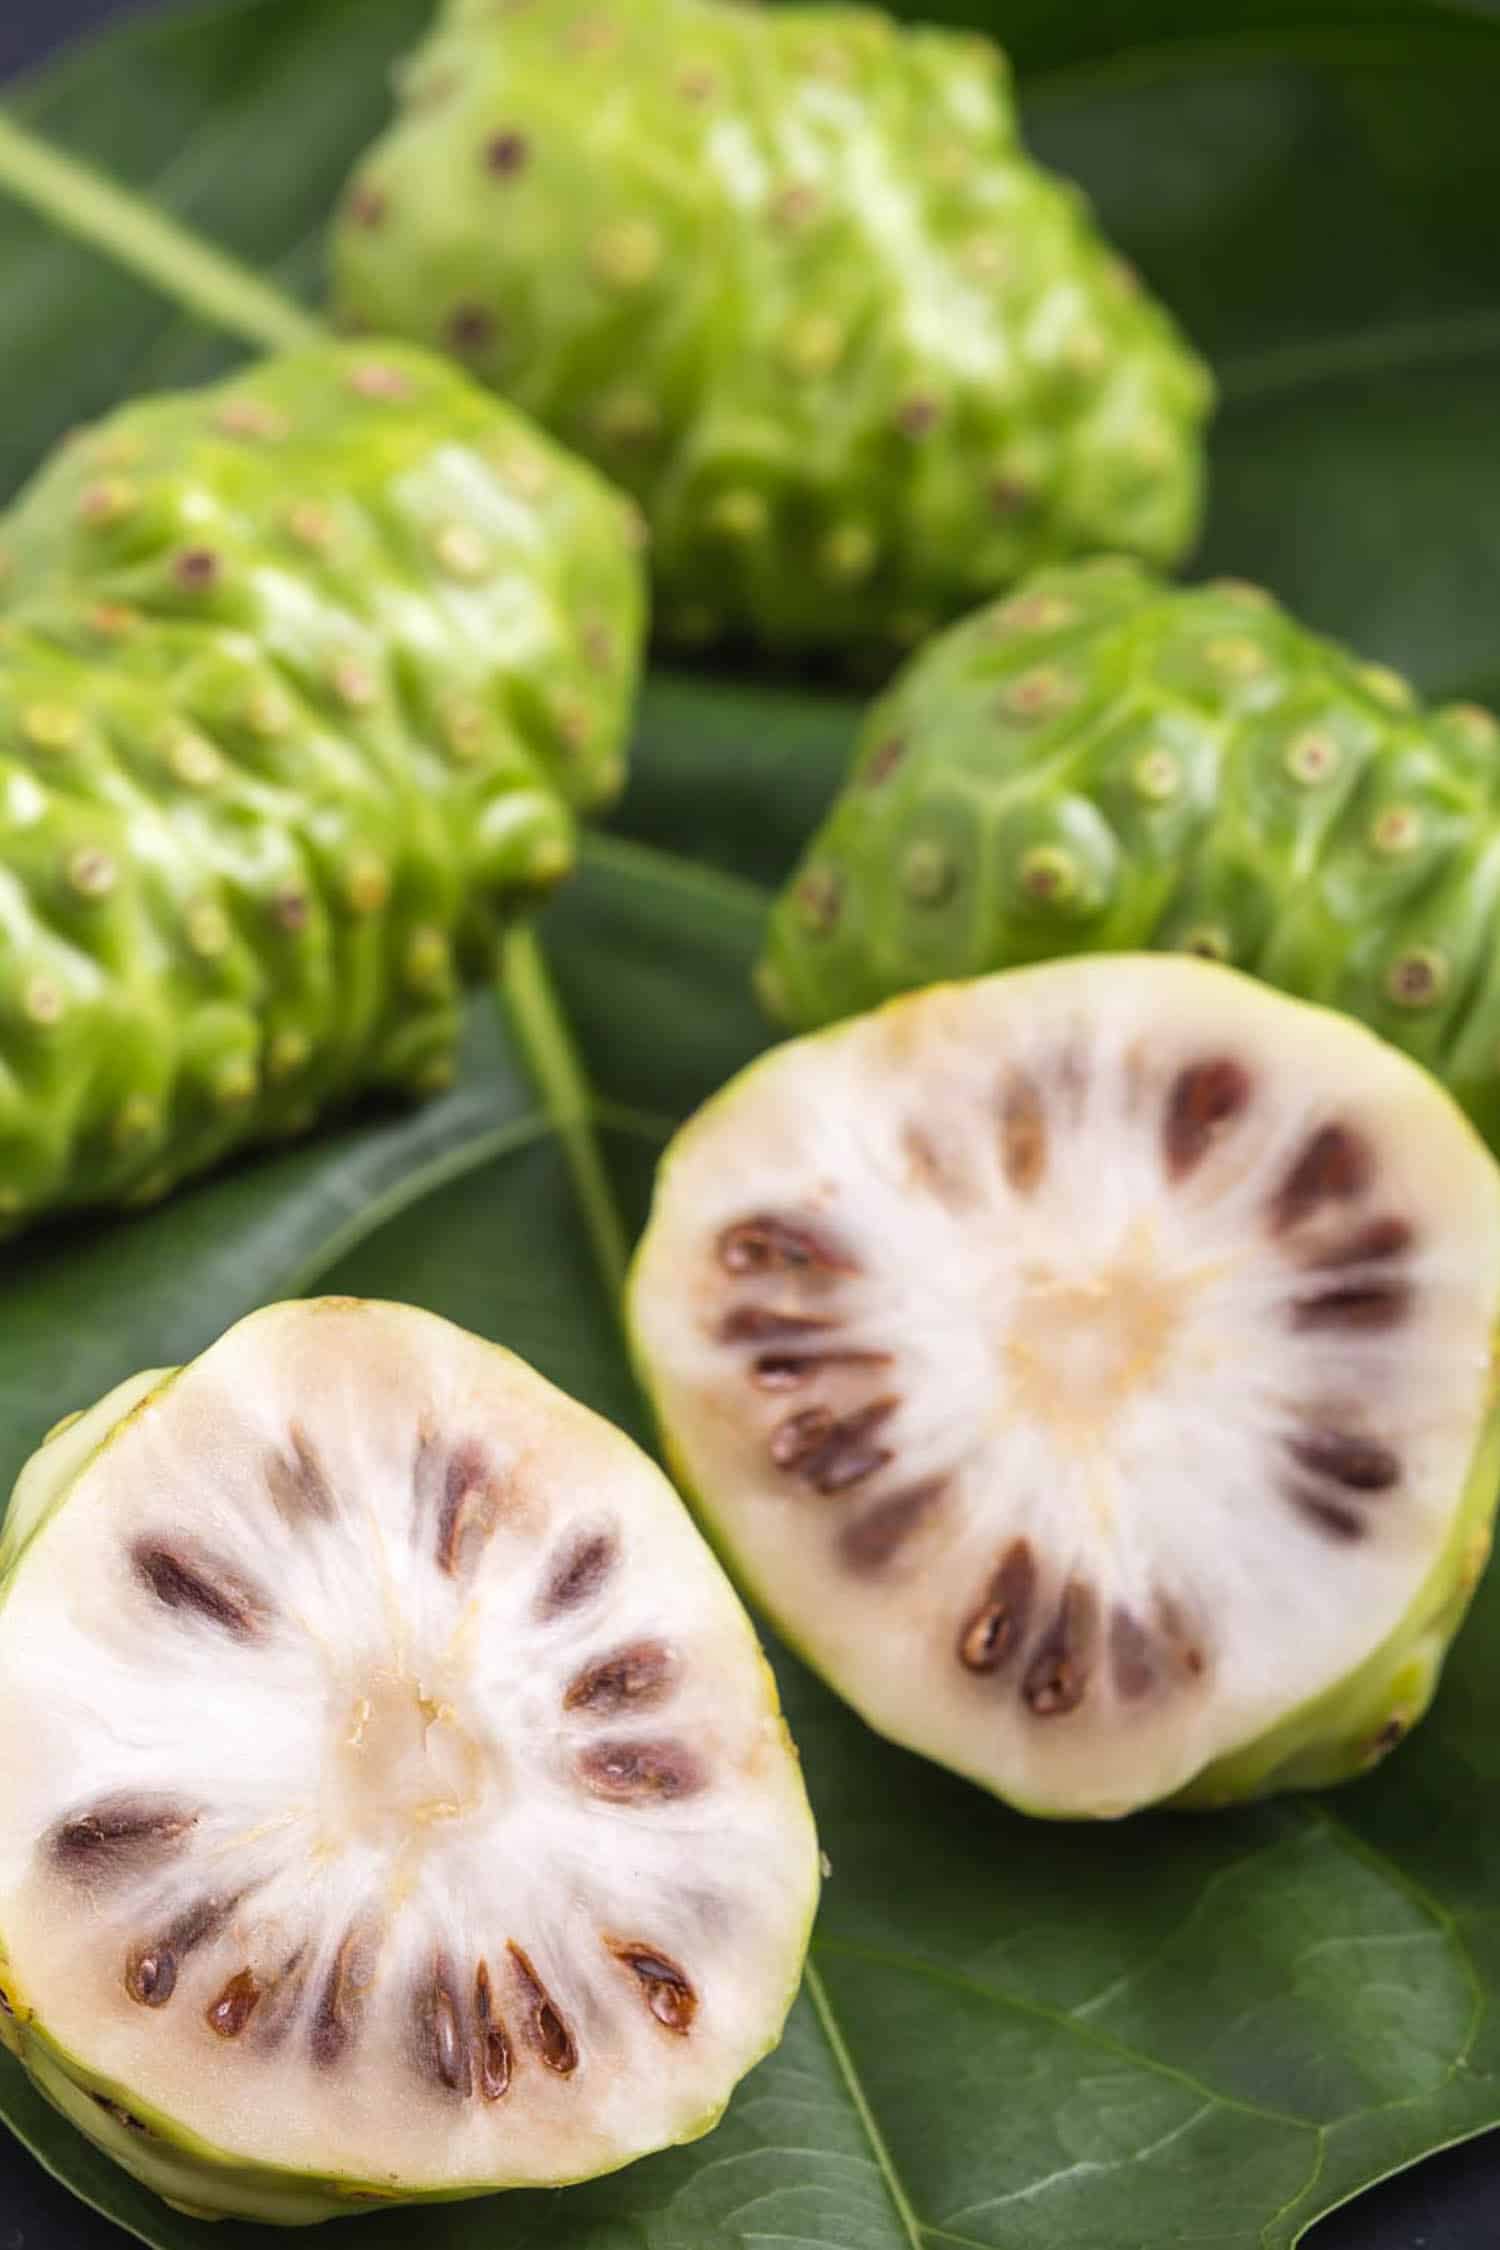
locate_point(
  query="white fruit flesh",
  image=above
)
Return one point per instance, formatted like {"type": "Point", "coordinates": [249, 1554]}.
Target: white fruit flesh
{"type": "Point", "coordinates": [1084, 1365]}
{"type": "Point", "coordinates": [395, 1792]}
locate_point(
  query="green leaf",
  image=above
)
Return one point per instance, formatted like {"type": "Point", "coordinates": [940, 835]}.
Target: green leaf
{"type": "Point", "coordinates": [1014, 2037]}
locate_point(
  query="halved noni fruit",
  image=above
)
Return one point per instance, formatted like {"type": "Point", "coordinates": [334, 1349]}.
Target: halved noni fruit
{"type": "Point", "coordinates": [396, 1802]}
{"type": "Point", "coordinates": [1091, 1369]}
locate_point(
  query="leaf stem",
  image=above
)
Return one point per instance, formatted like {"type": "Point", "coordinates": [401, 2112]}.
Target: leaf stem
{"type": "Point", "coordinates": [139, 235]}
{"type": "Point", "coordinates": [542, 1030]}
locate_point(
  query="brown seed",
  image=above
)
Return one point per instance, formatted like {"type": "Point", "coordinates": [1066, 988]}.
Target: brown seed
{"type": "Point", "coordinates": [545, 2027]}
{"type": "Point", "coordinates": [470, 328]}
{"type": "Point", "coordinates": [579, 1573]}
{"type": "Point", "coordinates": [368, 205]}
{"type": "Point", "coordinates": [181, 1582]}
{"type": "Point", "coordinates": [1023, 1134]}
{"type": "Point", "coordinates": [1205, 1100]}
{"type": "Point", "coordinates": [120, 1834]}
{"type": "Point", "coordinates": [1131, 1656]}
{"type": "Point", "coordinates": [789, 1371]}
{"type": "Point", "coordinates": [669, 1995]}
{"type": "Point", "coordinates": [636, 1678]}
{"type": "Point", "coordinates": [1381, 1239]}
{"type": "Point", "coordinates": [470, 1508]}
{"type": "Point", "coordinates": [341, 2002]}
{"type": "Point", "coordinates": [1363, 1464]}
{"type": "Point", "coordinates": [298, 1482]}
{"type": "Point", "coordinates": [506, 154]}
{"type": "Point", "coordinates": [198, 569]}
{"type": "Point", "coordinates": [795, 1440]}
{"type": "Point", "coordinates": [1373, 1306]}
{"type": "Point", "coordinates": [762, 1324]}
{"type": "Point", "coordinates": [996, 1629]}
{"type": "Point", "coordinates": [772, 1245]}
{"type": "Point", "coordinates": [641, 1772]}
{"type": "Point", "coordinates": [1335, 1166]}
{"type": "Point", "coordinates": [491, 2046]}
{"type": "Point", "coordinates": [846, 1456]}
{"type": "Point", "coordinates": [1057, 1677]}
{"type": "Point", "coordinates": [874, 1540]}
{"type": "Point", "coordinates": [442, 2033]}
{"type": "Point", "coordinates": [236, 2004]}
{"type": "Point", "coordinates": [1341, 1524]}
{"type": "Point", "coordinates": [151, 1975]}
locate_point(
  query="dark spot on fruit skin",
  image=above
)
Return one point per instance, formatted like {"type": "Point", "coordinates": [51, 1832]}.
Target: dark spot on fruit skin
{"type": "Point", "coordinates": [120, 2116]}
{"type": "Point", "coordinates": [761, 1324]}
{"type": "Point", "coordinates": [771, 1245]}
{"type": "Point", "coordinates": [669, 1995]}
{"type": "Point", "coordinates": [846, 1456]}
{"type": "Point", "coordinates": [235, 2005]}
{"type": "Point", "coordinates": [1057, 1677]}
{"type": "Point", "coordinates": [579, 1574]}
{"type": "Point", "coordinates": [1363, 1464]}
{"type": "Point", "coordinates": [883, 761]}
{"type": "Point", "coordinates": [180, 1582]}
{"type": "Point", "coordinates": [1205, 1099]}
{"type": "Point", "coordinates": [1334, 1167]}
{"type": "Point", "coordinates": [878, 1536]}
{"type": "Point", "coordinates": [198, 569]}
{"type": "Point", "coordinates": [470, 328]}
{"type": "Point", "coordinates": [641, 1772]}
{"type": "Point", "coordinates": [545, 2028]}
{"type": "Point", "coordinates": [506, 154]}
{"type": "Point", "coordinates": [1341, 1524]}
{"type": "Point", "coordinates": [492, 2054]}
{"type": "Point", "coordinates": [1023, 1135]}
{"type": "Point", "coordinates": [633, 1679]}
{"type": "Point", "coordinates": [119, 1835]}
{"type": "Point", "coordinates": [788, 1371]}
{"type": "Point", "coordinates": [298, 1482]}
{"type": "Point", "coordinates": [1367, 1309]}
{"type": "Point", "coordinates": [995, 1630]}
{"type": "Point", "coordinates": [369, 206]}
{"type": "Point", "coordinates": [1391, 1733]}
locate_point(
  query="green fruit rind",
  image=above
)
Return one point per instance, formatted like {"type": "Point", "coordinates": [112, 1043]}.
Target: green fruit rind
{"type": "Point", "coordinates": [1334, 1737]}
{"type": "Point", "coordinates": [186, 2170]}
{"type": "Point", "coordinates": [302, 682]}
{"type": "Point", "coordinates": [792, 279]}
{"type": "Point", "coordinates": [1106, 763]}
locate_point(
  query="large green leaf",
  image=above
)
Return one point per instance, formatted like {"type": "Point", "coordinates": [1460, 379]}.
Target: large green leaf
{"type": "Point", "coordinates": [1014, 2037]}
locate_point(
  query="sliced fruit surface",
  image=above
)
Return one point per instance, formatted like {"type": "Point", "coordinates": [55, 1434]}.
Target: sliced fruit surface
{"type": "Point", "coordinates": [397, 1798]}
{"type": "Point", "coordinates": [1091, 1369]}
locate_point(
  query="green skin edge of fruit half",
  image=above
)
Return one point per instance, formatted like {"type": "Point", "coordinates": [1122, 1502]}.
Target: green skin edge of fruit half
{"type": "Point", "coordinates": [1334, 1737]}
{"type": "Point", "coordinates": [190, 2174]}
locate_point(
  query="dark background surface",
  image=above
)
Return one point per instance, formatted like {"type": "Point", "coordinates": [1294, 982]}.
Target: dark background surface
{"type": "Point", "coordinates": [1452, 2202]}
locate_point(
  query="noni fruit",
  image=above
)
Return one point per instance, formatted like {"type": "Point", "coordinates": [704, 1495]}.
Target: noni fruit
{"type": "Point", "coordinates": [301, 680]}
{"type": "Point", "coordinates": [791, 278]}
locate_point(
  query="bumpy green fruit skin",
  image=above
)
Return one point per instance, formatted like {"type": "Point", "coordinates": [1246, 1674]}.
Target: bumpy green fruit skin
{"type": "Point", "coordinates": [301, 682]}
{"type": "Point", "coordinates": [791, 278]}
{"type": "Point", "coordinates": [1102, 763]}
